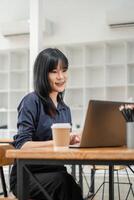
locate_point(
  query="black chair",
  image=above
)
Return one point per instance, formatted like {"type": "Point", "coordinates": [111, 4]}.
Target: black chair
{"type": "Point", "coordinates": [4, 162]}
{"type": "Point", "coordinates": [92, 193]}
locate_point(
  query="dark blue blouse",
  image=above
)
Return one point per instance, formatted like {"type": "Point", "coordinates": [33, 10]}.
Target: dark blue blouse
{"type": "Point", "coordinates": [33, 122]}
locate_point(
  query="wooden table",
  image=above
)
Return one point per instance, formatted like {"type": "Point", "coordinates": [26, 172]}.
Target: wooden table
{"type": "Point", "coordinates": [81, 156]}
{"type": "Point", "coordinates": [6, 140]}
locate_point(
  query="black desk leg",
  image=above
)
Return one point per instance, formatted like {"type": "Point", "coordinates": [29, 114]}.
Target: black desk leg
{"type": "Point", "coordinates": [111, 182]}
{"type": "Point", "coordinates": [73, 172]}
{"type": "Point", "coordinates": [22, 181]}
{"type": "Point", "coordinates": [92, 184]}
{"type": "Point", "coordinates": [81, 178]}
{"type": "Point", "coordinates": [3, 182]}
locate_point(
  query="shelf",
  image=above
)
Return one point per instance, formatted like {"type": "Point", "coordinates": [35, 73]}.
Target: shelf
{"type": "Point", "coordinates": [14, 76]}
{"type": "Point", "coordinates": [75, 77]}
{"type": "Point", "coordinates": [4, 61]}
{"type": "Point", "coordinates": [101, 70]}
{"type": "Point", "coordinates": [4, 72]}
{"type": "Point", "coordinates": [92, 87]}
{"type": "Point", "coordinates": [130, 77]}
{"type": "Point", "coordinates": [3, 81]}
{"type": "Point", "coordinates": [94, 54]}
{"type": "Point", "coordinates": [75, 67]}
{"type": "Point", "coordinates": [115, 65]}
{"type": "Point", "coordinates": [2, 91]}
{"type": "Point", "coordinates": [97, 70]}
{"type": "Point", "coordinates": [3, 110]}
{"type": "Point", "coordinates": [130, 92]}
{"type": "Point", "coordinates": [115, 86]}
{"type": "Point", "coordinates": [18, 71]}
{"type": "Point", "coordinates": [24, 90]}
{"type": "Point", "coordinates": [130, 51]}
{"type": "Point", "coordinates": [74, 55]}
{"type": "Point", "coordinates": [116, 93]}
{"type": "Point", "coordinates": [74, 97]}
{"type": "Point", "coordinates": [12, 110]}
{"type": "Point", "coordinates": [94, 66]}
{"type": "Point", "coordinates": [75, 87]}
{"type": "Point", "coordinates": [3, 101]}
{"type": "Point", "coordinates": [5, 134]}
{"type": "Point", "coordinates": [19, 59]}
{"type": "Point", "coordinates": [15, 99]}
{"type": "Point", "coordinates": [4, 119]}
{"type": "Point", "coordinates": [115, 52]}
{"type": "Point", "coordinates": [95, 93]}
{"type": "Point", "coordinates": [12, 124]}
{"type": "Point", "coordinates": [115, 75]}
{"type": "Point", "coordinates": [80, 108]}
{"type": "Point", "coordinates": [77, 116]}
{"type": "Point", "coordinates": [94, 77]}
{"type": "Point", "coordinates": [18, 81]}
{"type": "Point", "coordinates": [130, 85]}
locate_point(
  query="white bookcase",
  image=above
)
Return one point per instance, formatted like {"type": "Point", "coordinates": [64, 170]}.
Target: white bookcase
{"type": "Point", "coordinates": [98, 70]}
{"type": "Point", "coordinates": [14, 68]}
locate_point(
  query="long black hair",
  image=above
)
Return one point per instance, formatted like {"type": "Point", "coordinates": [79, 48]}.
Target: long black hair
{"type": "Point", "coordinates": [46, 61]}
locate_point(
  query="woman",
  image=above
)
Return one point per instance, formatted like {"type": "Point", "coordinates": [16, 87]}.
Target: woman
{"type": "Point", "coordinates": [36, 113]}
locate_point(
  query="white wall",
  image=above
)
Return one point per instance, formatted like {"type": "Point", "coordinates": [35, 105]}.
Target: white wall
{"type": "Point", "coordinates": [11, 10]}
{"type": "Point", "coordinates": [73, 20]}
{"type": "Point", "coordinates": [83, 20]}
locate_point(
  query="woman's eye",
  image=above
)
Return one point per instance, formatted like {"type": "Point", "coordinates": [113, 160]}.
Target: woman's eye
{"type": "Point", "coordinates": [54, 71]}
{"type": "Point", "coordinates": [64, 70]}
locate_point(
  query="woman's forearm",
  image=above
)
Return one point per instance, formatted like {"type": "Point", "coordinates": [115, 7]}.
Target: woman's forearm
{"type": "Point", "coordinates": [36, 144]}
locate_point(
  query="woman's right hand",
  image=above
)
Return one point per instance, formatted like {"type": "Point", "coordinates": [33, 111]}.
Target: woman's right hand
{"type": "Point", "coordinates": [75, 138]}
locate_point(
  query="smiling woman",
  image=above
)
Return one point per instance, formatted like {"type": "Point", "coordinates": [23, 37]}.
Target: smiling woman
{"type": "Point", "coordinates": [57, 80]}
{"type": "Point", "coordinates": [37, 112]}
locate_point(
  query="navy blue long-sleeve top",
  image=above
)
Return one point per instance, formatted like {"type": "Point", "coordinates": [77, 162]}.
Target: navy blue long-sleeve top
{"type": "Point", "coordinates": [33, 122]}
{"type": "Point", "coordinates": [35, 125]}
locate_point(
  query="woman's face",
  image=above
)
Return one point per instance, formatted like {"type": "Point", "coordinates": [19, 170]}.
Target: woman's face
{"type": "Point", "coordinates": [58, 78]}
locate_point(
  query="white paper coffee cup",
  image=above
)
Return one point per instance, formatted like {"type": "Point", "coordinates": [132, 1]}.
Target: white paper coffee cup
{"type": "Point", "coordinates": [61, 135]}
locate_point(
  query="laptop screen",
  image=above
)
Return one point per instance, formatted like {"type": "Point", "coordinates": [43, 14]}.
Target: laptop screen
{"type": "Point", "coordinates": [104, 125]}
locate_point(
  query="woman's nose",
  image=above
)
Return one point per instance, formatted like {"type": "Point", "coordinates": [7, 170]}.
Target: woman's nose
{"type": "Point", "coordinates": [60, 75]}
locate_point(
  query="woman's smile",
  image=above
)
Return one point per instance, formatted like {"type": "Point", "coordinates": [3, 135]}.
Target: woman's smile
{"type": "Point", "coordinates": [57, 79]}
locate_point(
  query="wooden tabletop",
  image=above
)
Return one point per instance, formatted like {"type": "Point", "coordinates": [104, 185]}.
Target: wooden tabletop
{"type": "Point", "coordinates": [113, 153]}
{"type": "Point", "coordinates": [6, 140]}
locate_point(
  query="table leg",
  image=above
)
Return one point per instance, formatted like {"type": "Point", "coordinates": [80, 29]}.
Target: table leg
{"type": "Point", "coordinates": [3, 182]}
{"type": "Point", "coordinates": [81, 178]}
{"type": "Point", "coordinates": [111, 182]}
{"type": "Point", "coordinates": [73, 172]}
{"type": "Point", "coordinates": [22, 181]}
{"type": "Point", "coordinates": [92, 180]}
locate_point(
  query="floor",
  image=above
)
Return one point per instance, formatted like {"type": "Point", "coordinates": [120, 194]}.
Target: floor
{"type": "Point", "coordinates": [98, 180]}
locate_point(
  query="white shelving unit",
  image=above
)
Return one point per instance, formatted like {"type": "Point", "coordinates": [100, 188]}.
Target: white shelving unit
{"type": "Point", "coordinates": [99, 70]}
{"type": "Point", "coordinates": [14, 67]}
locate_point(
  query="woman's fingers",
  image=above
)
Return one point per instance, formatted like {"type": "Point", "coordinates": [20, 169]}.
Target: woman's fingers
{"type": "Point", "coordinates": [74, 139]}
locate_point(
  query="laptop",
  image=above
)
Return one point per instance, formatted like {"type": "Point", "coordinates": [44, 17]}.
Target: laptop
{"type": "Point", "coordinates": [104, 125]}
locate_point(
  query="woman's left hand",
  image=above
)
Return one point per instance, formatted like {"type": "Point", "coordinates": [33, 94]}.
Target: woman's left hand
{"type": "Point", "coordinates": [75, 138]}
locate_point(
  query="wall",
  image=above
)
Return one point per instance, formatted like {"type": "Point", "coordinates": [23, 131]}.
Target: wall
{"type": "Point", "coordinates": [73, 20]}
{"type": "Point", "coordinates": [84, 20]}
{"type": "Point", "coordinates": [11, 10]}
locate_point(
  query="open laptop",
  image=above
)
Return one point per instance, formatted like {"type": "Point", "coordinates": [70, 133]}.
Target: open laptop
{"type": "Point", "coordinates": [104, 125]}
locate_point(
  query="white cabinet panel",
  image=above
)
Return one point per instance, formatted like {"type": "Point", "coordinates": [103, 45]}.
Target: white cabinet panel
{"type": "Point", "coordinates": [14, 75]}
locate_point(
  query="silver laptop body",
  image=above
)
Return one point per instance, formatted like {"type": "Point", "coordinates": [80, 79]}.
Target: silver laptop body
{"type": "Point", "coordinates": [104, 125]}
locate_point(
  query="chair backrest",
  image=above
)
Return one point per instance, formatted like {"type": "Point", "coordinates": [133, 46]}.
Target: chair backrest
{"type": "Point", "coordinates": [3, 160]}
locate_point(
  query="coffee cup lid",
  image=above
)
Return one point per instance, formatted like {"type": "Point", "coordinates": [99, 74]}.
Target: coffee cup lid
{"type": "Point", "coordinates": [61, 125]}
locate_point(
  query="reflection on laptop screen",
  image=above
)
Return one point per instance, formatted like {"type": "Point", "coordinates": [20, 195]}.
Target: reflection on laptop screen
{"type": "Point", "coordinates": [104, 125]}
